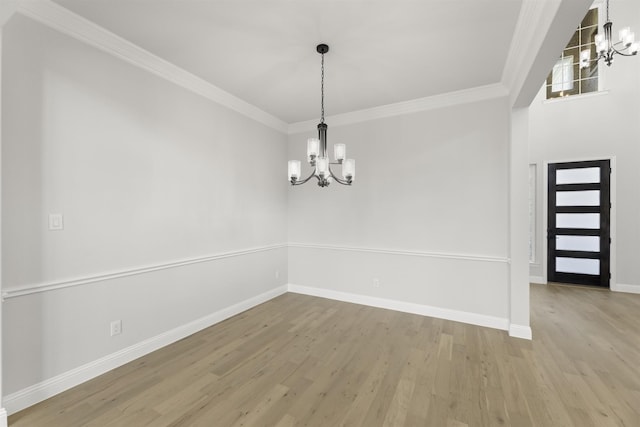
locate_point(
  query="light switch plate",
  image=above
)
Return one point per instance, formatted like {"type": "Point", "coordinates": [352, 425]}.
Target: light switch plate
{"type": "Point", "coordinates": [56, 222]}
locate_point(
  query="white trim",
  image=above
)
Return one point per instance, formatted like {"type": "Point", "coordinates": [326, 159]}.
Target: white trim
{"type": "Point", "coordinates": [538, 280]}
{"type": "Point", "coordinates": [78, 281]}
{"type": "Point", "coordinates": [71, 24]}
{"type": "Point", "coordinates": [52, 386]}
{"type": "Point", "coordinates": [449, 99]}
{"type": "Point", "coordinates": [519, 216]}
{"type": "Point", "coordinates": [613, 215]}
{"type": "Point", "coordinates": [405, 307]}
{"type": "Point", "coordinates": [3, 413]}
{"type": "Point", "coordinates": [621, 287]}
{"type": "Point", "coordinates": [67, 283]}
{"type": "Point", "coordinates": [575, 97]}
{"type": "Point", "coordinates": [465, 257]}
{"type": "Point", "coordinates": [545, 220]}
{"type": "Point", "coordinates": [602, 71]}
{"type": "Point", "coordinates": [520, 331]}
{"type": "Point", "coordinates": [531, 28]}
{"type": "Point", "coordinates": [7, 9]}
{"type": "Point", "coordinates": [524, 33]}
{"type": "Point", "coordinates": [533, 202]}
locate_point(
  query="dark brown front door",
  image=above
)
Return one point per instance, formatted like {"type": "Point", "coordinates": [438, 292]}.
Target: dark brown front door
{"type": "Point", "coordinates": [579, 216]}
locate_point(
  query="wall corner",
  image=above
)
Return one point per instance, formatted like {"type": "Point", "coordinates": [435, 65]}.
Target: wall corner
{"type": "Point", "coordinates": [519, 223]}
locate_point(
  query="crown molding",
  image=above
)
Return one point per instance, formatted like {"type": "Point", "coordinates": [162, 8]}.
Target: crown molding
{"type": "Point", "coordinates": [542, 28]}
{"type": "Point", "coordinates": [531, 28]}
{"type": "Point", "coordinates": [7, 9]}
{"type": "Point", "coordinates": [71, 24]}
{"type": "Point", "coordinates": [449, 99]}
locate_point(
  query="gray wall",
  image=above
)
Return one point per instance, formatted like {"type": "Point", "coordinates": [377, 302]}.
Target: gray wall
{"type": "Point", "coordinates": [597, 127]}
{"type": "Point", "coordinates": [145, 173]}
{"type": "Point", "coordinates": [434, 182]}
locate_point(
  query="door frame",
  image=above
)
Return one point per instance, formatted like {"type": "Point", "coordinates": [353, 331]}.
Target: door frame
{"type": "Point", "coordinates": [545, 215]}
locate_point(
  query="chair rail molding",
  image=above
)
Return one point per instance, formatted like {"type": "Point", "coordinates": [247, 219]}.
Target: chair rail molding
{"type": "Point", "coordinates": [86, 280]}
{"type": "Point", "coordinates": [466, 257]}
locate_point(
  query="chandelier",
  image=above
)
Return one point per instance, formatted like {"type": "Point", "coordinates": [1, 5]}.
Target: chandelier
{"type": "Point", "coordinates": [317, 155]}
{"type": "Point", "coordinates": [606, 48]}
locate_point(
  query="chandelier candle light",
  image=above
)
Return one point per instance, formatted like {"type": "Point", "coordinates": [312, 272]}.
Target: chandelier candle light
{"type": "Point", "coordinates": [317, 155]}
{"type": "Point", "coordinates": [606, 48]}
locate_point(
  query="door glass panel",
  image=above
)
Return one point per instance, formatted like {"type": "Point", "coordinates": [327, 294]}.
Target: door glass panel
{"type": "Point", "coordinates": [578, 265]}
{"type": "Point", "coordinates": [578, 198]}
{"type": "Point", "coordinates": [578, 243]}
{"type": "Point", "coordinates": [578, 220]}
{"type": "Point", "coordinates": [578, 176]}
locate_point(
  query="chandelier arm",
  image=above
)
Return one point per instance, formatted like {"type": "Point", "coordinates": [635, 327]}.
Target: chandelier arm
{"type": "Point", "coordinates": [613, 49]}
{"type": "Point", "coordinates": [620, 52]}
{"type": "Point", "coordinates": [598, 58]}
{"type": "Point", "coordinates": [338, 180]}
{"type": "Point", "coordinates": [304, 180]}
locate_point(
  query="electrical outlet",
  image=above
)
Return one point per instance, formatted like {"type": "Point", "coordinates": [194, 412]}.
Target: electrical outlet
{"type": "Point", "coordinates": [376, 283]}
{"type": "Point", "coordinates": [56, 222]}
{"type": "Point", "coordinates": [116, 327]}
{"type": "Point", "coordinates": [277, 274]}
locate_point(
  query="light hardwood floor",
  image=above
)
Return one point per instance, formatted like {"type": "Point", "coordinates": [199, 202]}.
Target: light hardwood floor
{"type": "Point", "coordinates": [305, 361]}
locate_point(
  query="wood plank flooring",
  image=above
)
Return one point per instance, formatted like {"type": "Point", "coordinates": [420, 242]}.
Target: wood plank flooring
{"type": "Point", "coordinates": [306, 361]}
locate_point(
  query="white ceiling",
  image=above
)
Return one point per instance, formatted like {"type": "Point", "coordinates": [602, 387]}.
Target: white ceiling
{"type": "Point", "coordinates": [263, 51]}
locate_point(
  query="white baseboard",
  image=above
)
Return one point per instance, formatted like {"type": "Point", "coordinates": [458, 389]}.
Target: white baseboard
{"type": "Point", "coordinates": [52, 386]}
{"type": "Point", "coordinates": [520, 331]}
{"type": "Point", "coordinates": [621, 287]}
{"type": "Point", "coordinates": [407, 307]}
{"type": "Point", "coordinates": [3, 418]}
{"type": "Point", "coordinates": [539, 280]}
